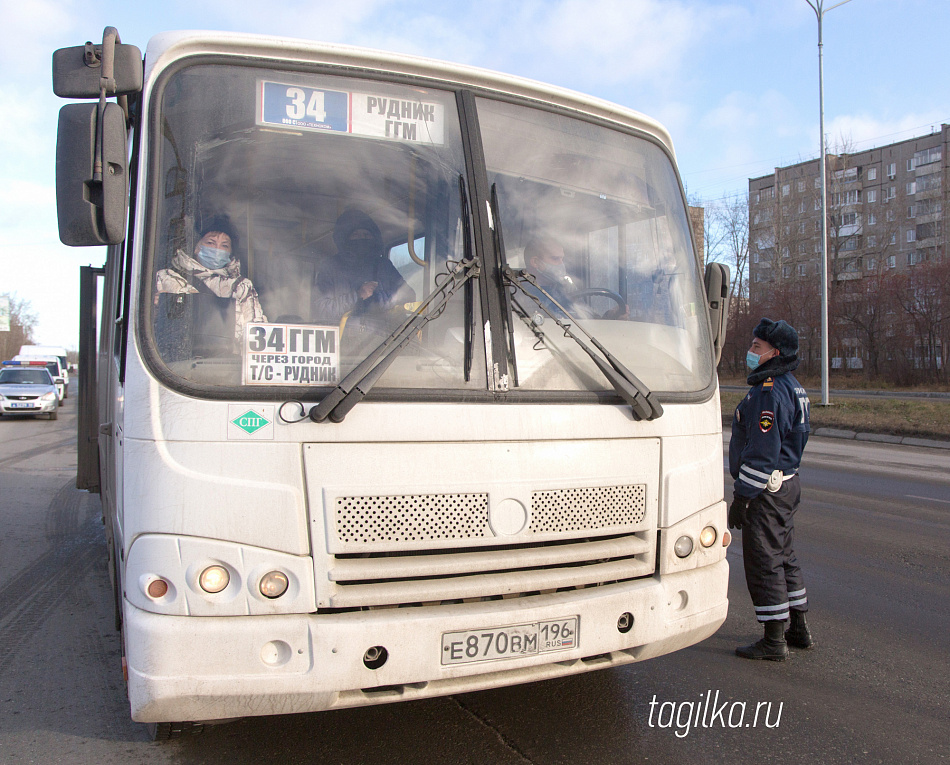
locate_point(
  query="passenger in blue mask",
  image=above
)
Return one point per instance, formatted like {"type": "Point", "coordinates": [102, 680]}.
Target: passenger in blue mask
{"type": "Point", "coordinates": [214, 268]}
{"type": "Point", "coordinates": [359, 279]}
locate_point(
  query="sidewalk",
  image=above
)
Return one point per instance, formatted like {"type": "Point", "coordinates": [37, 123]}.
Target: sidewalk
{"type": "Point", "coordinates": [875, 437]}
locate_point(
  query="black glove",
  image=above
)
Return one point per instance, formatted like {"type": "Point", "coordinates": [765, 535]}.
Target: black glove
{"type": "Point", "coordinates": [737, 511]}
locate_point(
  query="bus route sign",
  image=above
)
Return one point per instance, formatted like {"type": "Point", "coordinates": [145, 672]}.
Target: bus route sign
{"type": "Point", "coordinates": [290, 354]}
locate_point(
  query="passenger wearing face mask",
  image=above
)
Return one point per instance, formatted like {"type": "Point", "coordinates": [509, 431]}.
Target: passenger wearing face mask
{"type": "Point", "coordinates": [358, 279]}
{"type": "Point", "coordinates": [769, 432]}
{"type": "Point", "coordinates": [213, 268]}
{"type": "Point", "coordinates": [544, 259]}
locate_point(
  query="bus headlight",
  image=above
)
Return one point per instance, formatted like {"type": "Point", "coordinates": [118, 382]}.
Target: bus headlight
{"type": "Point", "coordinates": [274, 584]}
{"type": "Point", "coordinates": [707, 537]}
{"type": "Point", "coordinates": [214, 579]}
{"type": "Point", "coordinates": [683, 546]}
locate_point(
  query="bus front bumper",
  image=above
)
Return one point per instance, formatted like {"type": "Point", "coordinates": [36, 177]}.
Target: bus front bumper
{"type": "Point", "coordinates": [183, 668]}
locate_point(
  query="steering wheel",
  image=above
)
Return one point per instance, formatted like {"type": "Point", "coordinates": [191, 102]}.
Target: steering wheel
{"type": "Point", "coordinates": [616, 312]}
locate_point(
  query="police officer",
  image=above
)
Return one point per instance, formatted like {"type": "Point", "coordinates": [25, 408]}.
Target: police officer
{"type": "Point", "coordinates": [769, 432]}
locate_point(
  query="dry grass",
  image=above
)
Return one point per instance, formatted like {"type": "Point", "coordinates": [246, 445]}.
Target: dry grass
{"type": "Point", "coordinates": [898, 417]}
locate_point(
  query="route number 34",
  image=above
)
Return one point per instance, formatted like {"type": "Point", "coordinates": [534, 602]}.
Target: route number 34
{"type": "Point", "coordinates": [301, 107]}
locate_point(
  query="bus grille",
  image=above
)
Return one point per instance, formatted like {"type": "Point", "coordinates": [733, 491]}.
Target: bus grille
{"type": "Point", "coordinates": [435, 548]}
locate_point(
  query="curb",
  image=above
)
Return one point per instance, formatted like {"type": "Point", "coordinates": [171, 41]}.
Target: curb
{"type": "Point", "coordinates": [881, 438]}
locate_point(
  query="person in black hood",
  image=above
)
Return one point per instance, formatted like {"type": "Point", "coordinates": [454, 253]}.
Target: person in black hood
{"type": "Point", "coordinates": [358, 279]}
{"type": "Point", "coordinates": [769, 432]}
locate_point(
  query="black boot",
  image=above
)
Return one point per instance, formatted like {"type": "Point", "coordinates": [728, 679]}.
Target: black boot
{"type": "Point", "coordinates": [771, 647]}
{"type": "Point", "coordinates": [798, 635]}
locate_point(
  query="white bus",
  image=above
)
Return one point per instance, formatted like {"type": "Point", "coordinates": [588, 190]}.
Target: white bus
{"type": "Point", "coordinates": [481, 447]}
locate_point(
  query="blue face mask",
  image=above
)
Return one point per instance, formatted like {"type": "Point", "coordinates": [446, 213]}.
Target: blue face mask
{"type": "Point", "coordinates": [752, 360]}
{"type": "Point", "coordinates": [212, 257]}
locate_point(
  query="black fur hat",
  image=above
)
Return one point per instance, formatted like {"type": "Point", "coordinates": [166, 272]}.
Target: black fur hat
{"type": "Point", "coordinates": [220, 223]}
{"type": "Point", "coordinates": [351, 220]}
{"type": "Point", "coordinates": [778, 334]}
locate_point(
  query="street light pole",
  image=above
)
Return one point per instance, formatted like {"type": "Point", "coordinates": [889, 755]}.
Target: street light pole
{"type": "Point", "coordinates": [816, 6]}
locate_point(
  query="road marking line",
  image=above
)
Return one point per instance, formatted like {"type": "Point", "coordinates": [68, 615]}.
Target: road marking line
{"type": "Point", "coordinates": [932, 499]}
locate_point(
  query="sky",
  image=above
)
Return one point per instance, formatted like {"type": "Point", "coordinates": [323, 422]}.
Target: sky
{"type": "Point", "coordinates": [734, 81]}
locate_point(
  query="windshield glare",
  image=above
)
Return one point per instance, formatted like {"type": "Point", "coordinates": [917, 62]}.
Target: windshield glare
{"type": "Point", "coordinates": [300, 219]}
{"type": "Point", "coordinates": [597, 218]}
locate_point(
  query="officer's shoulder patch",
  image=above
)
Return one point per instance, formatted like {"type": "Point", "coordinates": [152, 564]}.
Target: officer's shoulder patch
{"type": "Point", "coordinates": [766, 420]}
{"type": "Point", "coordinates": [767, 385]}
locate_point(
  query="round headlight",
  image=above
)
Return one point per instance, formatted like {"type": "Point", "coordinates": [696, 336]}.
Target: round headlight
{"type": "Point", "coordinates": [683, 546]}
{"type": "Point", "coordinates": [214, 579]}
{"type": "Point", "coordinates": [274, 584]}
{"type": "Point", "coordinates": [707, 537]}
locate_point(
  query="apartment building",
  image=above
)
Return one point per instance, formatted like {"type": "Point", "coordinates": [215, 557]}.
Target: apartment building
{"type": "Point", "coordinates": [885, 211]}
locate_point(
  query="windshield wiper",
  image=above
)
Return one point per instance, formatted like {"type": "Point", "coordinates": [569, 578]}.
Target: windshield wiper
{"type": "Point", "coordinates": [630, 388]}
{"type": "Point", "coordinates": [354, 387]}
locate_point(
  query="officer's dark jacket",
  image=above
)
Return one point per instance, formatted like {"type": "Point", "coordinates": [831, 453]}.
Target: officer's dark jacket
{"type": "Point", "coordinates": [769, 428]}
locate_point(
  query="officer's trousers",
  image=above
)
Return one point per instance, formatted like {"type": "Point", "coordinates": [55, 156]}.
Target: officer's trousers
{"type": "Point", "coordinates": [772, 573]}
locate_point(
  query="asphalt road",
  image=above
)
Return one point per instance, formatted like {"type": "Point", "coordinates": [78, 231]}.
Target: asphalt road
{"type": "Point", "coordinates": [872, 536]}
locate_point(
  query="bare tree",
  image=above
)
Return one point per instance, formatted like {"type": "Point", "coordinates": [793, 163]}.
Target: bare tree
{"type": "Point", "coordinates": [23, 321]}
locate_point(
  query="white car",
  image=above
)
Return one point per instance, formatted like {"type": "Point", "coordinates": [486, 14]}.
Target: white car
{"type": "Point", "coordinates": [28, 390]}
{"type": "Point", "coordinates": [51, 363]}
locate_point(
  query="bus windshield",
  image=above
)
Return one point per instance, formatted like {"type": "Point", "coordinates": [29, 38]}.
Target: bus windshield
{"type": "Point", "coordinates": [302, 218]}
{"type": "Point", "coordinates": [596, 217]}
{"type": "Point", "coordinates": [341, 203]}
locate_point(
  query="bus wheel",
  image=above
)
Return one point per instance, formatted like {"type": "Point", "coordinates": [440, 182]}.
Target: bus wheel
{"type": "Point", "coordinates": [166, 731]}
{"type": "Point", "coordinates": [53, 415]}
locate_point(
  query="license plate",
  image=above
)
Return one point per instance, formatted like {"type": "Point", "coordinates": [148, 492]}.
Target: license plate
{"type": "Point", "coordinates": [21, 405]}
{"type": "Point", "coordinates": [510, 642]}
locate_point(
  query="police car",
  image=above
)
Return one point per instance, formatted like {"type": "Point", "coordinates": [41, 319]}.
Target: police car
{"type": "Point", "coordinates": [52, 365]}
{"type": "Point", "coordinates": [28, 389]}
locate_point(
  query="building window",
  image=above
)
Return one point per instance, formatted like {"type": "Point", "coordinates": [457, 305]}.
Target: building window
{"type": "Point", "coordinates": [817, 204]}
{"type": "Point", "coordinates": [785, 251]}
{"type": "Point", "coordinates": [872, 173]}
{"type": "Point", "coordinates": [801, 207]}
{"type": "Point", "coordinates": [818, 182]}
{"type": "Point", "coordinates": [800, 186]}
{"type": "Point", "coordinates": [786, 189]}
{"type": "Point", "coordinates": [892, 170]}
{"type": "Point", "coordinates": [910, 165]}
{"type": "Point", "coordinates": [755, 257]}
{"type": "Point", "coordinates": [889, 193]}
{"type": "Point", "coordinates": [928, 182]}
{"type": "Point", "coordinates": [850, 245]}
{"type": "Point", "coordinates": [912, 187]}
{"type": "Point", "coordinates": [889, 215]}
{"type": "Point", "coordinates": [802, 269]}
{"type": "Point", "coordinates": [891, 261]}
{"type": "Point", "coordinates": [870, 195]}
{"type": "Point", "coordinates": [893, 238]}
{"type": "Point", "coordinates": [849, 219]}
{"type": "Point", "coordinates": [912, 235]}
{"type": "Point", "coordinates": [801, 248]}
{"type": "Point", "coordinates": [801, 227]}
{"type": "Point", "coordinates": [911, 212]}
{"type": "Point", "coordinates": [758, 278]}
{"type": "Point", "coordinates": [786, 272]}
{"type": "Point", "coordinates": [872, 241]}
{"type": "Point", "coordinates": [914, 257]}
{"type": "Point", "coordinates": [926, 156]}
{"type": "Point", "coordinates": [757, 197]}
{"type": "Point", "coordinates": [872, 219]}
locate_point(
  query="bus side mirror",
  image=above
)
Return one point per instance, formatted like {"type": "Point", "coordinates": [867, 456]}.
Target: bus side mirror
{"type": "Point", "coordinates": [91, 212]}
{"type": "Point", "coordinates": [77, 71]}
{"type": "Point", "coordinates": [717, 303]}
